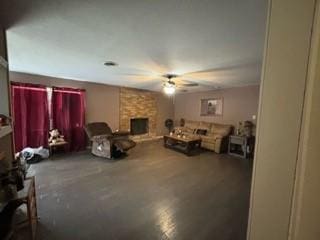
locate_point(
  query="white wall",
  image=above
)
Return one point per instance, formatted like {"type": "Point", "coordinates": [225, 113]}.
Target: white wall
{"type": "Point", "coordinates": [239, 104]}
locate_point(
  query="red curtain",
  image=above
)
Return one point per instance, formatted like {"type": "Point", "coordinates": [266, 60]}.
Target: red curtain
{"type": "Point", "coordinates": [30, 115]}
{"type": "Point", "coordinates": [68, 116]}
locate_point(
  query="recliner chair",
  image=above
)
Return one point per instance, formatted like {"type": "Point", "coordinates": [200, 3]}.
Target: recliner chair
{"type": "Point", "coordinates": [105, 143]}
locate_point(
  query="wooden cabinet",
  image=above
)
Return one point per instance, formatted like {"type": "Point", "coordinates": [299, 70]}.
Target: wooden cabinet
{"type": "Point", "coordinates": [4, 91]}
{"type": "Point", "coordinates": [4, 76]}
{"type": "Point", "coordinates": [6, 134]}
{"type": "Point", "coordinates": [3, 44]}
{"type": "Point", "coordinates": [28, 193]}
{"type": "Point", "coordinates": [4, 88]}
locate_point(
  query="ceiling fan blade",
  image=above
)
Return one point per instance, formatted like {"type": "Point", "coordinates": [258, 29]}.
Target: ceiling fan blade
{"type": "Point", "coordinates": [209, 70]}
{"type": "Point", "coordinates": [186, 83]}
{"type": "Point", "coordinates": [223, 69]}
{"type": "Point", "coordinates": [182, 90]}
{"type": "Point", "coordinates": [190, 84]}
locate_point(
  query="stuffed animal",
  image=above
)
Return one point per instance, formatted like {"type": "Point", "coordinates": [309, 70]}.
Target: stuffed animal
{"type": "Point", "coordinates": [4, 120]}
{"type": "Point", "coordinates": [55, 136]}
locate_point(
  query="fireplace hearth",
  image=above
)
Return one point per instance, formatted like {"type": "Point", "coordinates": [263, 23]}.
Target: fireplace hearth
{"type": "Point", "coordinates": [139, 126]}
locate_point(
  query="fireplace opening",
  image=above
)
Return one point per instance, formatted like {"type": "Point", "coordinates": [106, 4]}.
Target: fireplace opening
{"type": "Point", "coordinates": [139, 126]}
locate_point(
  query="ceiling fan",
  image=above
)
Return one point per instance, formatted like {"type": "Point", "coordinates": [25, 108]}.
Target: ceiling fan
{"type": "Point", "coordinates": [206, 79]}
{"type": "Point", "coordinates": [170, 85]}
{"type": "Point", "coordinates": [172, 82]}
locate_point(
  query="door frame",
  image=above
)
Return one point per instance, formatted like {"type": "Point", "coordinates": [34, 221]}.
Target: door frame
{"type": "Point", "coordinates": [306, 206]}
{"type": "Point", "coordinates": [280, 125]}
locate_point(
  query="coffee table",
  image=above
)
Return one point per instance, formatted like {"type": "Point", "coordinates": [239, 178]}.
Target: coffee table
{"type": "Point", "coordinates": [188, 145]}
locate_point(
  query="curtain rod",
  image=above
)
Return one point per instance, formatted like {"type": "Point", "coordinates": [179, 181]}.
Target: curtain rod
{"type": "Point", "coordinates": [69, 91]}
{"type": "Point", "coordinates": [31, 88]}
{"type": "Point", "coordinates": [44, 88]}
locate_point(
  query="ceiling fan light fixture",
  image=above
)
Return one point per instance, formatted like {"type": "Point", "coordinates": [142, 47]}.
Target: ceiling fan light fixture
{"type": "Point", "coordinates": [169, 88]}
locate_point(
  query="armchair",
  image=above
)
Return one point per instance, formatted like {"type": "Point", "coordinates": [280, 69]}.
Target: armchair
{"type": "Point", "coordinates": [105, 143]}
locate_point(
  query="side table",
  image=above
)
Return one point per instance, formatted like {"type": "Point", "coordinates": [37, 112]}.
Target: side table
{"type": "Point", "coordinates": [241, 146]}
{"type": "Point", "coordinates": [53, 146]}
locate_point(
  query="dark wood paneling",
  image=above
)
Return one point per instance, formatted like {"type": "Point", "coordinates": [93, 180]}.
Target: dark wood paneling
{"type": "Point", "coordinates": [6, 145]}
{"type": "Point", "coordinates": [3, 48]}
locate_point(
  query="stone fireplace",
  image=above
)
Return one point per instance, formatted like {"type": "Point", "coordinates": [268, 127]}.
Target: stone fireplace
{"type": "Point", "coordinates": [139, 105]}
{"type": "Point", "coordinates": [139, 126]}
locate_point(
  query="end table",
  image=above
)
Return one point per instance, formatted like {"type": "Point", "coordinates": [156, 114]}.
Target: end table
{"type": "Point", "coordinates": [241, 146]}
{"type": "Point", "coordinates": [53, 146]}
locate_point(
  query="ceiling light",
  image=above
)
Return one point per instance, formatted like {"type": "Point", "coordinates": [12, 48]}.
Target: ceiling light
{"type": "Point", "coordinates": [169, 88]}
{"type": "Point", "coordinates": [110, 64]}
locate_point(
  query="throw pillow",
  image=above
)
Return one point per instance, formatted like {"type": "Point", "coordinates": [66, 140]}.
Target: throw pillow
{"type": "Point", "coordinates": [201, 131]}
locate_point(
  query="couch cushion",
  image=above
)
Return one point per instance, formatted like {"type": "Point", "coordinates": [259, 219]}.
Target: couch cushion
{"type": "Point", "coordinates": [192, 124]}
{"type": "Point", "coordinates": [124, 144]}
{"type": "Point", "coordinates": [208, 139]}
{"type": "Point", "coordinates": [220, 129]}
{"type": "Point", "coordinates": [211, 137]}
{"type": "Point", "coordinates": [97, 129]}
{"type": "Point", "coordinates": [189, 130]}
{"type": "Point", "coordinates": [201, 131]}
{"type": "Point", "coordinates": [207, 145]}
{"type": "Point", "coordinates": [205, 125]}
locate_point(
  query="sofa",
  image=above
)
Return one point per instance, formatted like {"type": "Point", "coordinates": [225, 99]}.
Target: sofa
{"type": "Point", "coordinates": [214, 136]}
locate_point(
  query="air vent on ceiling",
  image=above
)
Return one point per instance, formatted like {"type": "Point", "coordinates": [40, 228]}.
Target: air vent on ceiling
{"type": "Point", "coordinates": [110, 64]}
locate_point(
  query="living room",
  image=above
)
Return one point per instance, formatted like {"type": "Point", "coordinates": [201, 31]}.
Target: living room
{"type": "Point", "coordinates": [152, 134]}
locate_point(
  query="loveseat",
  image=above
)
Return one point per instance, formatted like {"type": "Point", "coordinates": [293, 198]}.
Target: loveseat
{"type": "Point", "coordinates": [214, 136]}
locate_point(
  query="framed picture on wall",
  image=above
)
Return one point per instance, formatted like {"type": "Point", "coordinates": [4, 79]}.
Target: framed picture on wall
{"type": "Point", "coordinates": [211, 107]}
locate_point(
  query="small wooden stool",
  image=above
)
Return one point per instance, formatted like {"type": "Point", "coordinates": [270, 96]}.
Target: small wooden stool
{"type": "Point", "coordinates": [53, 146]}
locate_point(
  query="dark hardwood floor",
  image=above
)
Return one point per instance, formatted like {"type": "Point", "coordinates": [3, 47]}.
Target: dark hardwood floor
{"type": "Point", "coordinates": [154, 193]}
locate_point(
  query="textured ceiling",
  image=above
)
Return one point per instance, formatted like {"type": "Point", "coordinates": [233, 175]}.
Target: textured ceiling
{"type": "Point", "coordinates": [214, 43]}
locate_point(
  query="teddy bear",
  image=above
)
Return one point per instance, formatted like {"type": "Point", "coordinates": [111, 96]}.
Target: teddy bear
{"type": "Point", "coordinates": [55, 136]}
